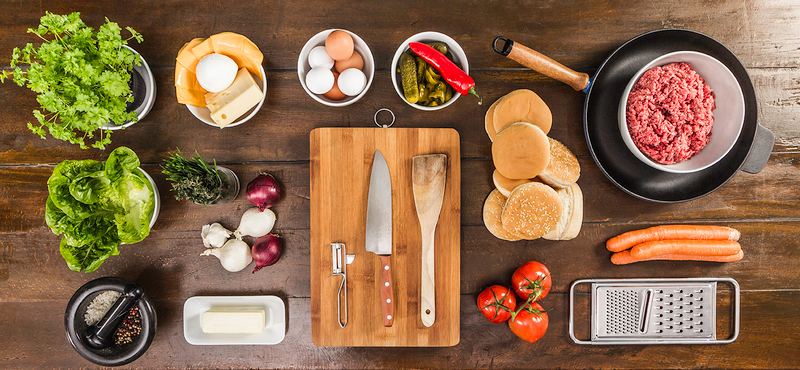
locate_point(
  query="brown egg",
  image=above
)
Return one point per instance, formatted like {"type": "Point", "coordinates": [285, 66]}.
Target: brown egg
{"type": "Point", "coordinates": [339, 45]}
{"type": "Point", "coordinates": [335, 93]}
{"type": "Point", "coordinates": [355, 61]}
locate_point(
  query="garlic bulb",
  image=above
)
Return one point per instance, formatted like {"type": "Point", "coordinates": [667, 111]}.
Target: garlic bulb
{"type": "Point", "coordinates": [214, 235]}
{"type": "Point", "coordinates": [234, 255]}
{"type": "Point", "coordinates": [255, 223]}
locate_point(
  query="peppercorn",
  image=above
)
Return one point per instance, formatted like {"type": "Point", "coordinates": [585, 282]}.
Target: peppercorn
{"type": "Point", "coordinates": [129, 329]}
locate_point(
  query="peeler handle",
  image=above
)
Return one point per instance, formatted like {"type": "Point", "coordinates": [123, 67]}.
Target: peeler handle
{"type": "Point", "coordinates": [342, 285]}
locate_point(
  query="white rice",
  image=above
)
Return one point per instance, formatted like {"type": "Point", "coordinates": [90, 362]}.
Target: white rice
{"type": "Point", "coordinates": [100, 305]}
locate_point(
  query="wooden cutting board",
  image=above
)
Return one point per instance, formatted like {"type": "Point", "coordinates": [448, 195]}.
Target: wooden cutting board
{"type": "Point", "coordinates": [341, 163]}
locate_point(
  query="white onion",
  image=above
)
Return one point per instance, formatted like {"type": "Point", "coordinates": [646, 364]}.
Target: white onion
{"type": "Point", "coordinates": [234, 255]}
{"type": "Point", "coordinates": [255, 223]}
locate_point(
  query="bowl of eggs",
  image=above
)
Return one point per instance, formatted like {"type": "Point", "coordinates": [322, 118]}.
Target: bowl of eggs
{"type": "Point", "coordinates": [220, 79]}
{"type": "Point", "coordinates": [336, 67]}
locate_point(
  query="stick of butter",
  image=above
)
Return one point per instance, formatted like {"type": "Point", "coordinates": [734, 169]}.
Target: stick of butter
{"type": "Point", "coordinates": [234, 321]}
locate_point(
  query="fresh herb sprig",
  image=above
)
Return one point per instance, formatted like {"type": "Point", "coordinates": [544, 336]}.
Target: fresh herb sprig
{"type": "Point", "coordinates": [195, 179]}
{"type": "Point", "coordinates": [81, 77]}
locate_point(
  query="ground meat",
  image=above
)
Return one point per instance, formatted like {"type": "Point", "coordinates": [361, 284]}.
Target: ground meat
{"type": "Point", "coordinates": [669, 113]}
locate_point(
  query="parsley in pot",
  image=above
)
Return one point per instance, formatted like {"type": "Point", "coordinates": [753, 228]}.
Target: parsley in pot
{"type": "Point", "coordinates": [81, 76]}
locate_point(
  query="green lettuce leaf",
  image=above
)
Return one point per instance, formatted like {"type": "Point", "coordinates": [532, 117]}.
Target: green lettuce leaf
{"type": "Point", "coordinates": [56, 219]}
{"type": "Point", "coordinates": [89, 257]}
{"type": "Point", "coordinates": [121, 161]}
{"type": "Point", "coordinates": [134, 224]}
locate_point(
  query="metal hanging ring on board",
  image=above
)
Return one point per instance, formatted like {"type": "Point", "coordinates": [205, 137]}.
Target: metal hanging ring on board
{"type": "Point", "coordinates": [375, 118]}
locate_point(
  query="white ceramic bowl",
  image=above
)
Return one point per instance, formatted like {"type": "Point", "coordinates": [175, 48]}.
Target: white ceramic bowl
{"type": "Point", "coordinates": [150, 93]}
{"type": "Point", "coordinates": [728, 115]}
{"type": "Point", "coordinates": [453, 48]}
{"type": "Point", "coordinates": [303, 67]}
{"type": "Point", "coordinates": [157, 207]}
{"type": "Point", "coordinates": [203, 114]}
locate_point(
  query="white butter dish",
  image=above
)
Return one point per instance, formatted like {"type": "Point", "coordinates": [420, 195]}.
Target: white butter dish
{"type": "Point", "coordinates": [273, 333]}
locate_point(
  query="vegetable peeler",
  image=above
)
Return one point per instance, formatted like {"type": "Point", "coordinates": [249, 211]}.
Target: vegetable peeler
{"type": "Point", "coordinates": [340, 261]}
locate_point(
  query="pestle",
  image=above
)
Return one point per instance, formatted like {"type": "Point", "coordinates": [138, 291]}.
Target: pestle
{"type": "Point", "coordinates": [99, 336]}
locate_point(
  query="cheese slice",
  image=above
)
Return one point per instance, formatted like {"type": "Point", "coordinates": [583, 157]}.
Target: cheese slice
{"type": "Point", "coordinates": [228, 105]}
{"type": "Point", "coordinates": [187, 89]}
{"type": "Point", "coordinates": [234, 321]}
{"type": "Point", "coordinates": [185, 56]}
{"type": "Point", "coordinates": [239, 48]}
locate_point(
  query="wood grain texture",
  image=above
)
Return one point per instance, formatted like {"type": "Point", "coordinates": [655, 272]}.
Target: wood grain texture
{"type": "Point", "coordinates": [341, 159]}
{"type": "Point", "coordinates": [35, 283]}
{"type": "Point", "coordinates": [429, 176]}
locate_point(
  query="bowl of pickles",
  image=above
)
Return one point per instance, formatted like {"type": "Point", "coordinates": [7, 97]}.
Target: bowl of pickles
{"type": "Point", "coordinates": [417, 82]}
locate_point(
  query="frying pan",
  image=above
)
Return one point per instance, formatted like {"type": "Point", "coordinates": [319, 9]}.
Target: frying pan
{"type": "Point", "coordinates": [603, 94]}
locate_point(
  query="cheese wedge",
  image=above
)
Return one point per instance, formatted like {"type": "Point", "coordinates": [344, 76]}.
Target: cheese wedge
{"type": "Point", "coordinates": [234, 321]}
{"type": "Point", "coordinates": [228, 105]}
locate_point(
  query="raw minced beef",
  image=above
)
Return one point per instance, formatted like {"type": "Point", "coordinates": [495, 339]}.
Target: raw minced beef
{"type": "Point", "coordinates": [669, 113]}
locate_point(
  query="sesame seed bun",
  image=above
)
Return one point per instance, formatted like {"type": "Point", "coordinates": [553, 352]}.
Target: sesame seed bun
{"type": "Point", "coordinates": [492, 208]}
{"type": "Point", "coordinates": [506, 185]}
{"type": "Point", "coordinates": [522, 106]}
{"type": "Point", "coordinates": [569, 224]}
{"type": "Point", "coordinates": [563, 169]}
{"type": "Point", "coordinates": [532, 210]}
{"type": "Point", "coordinates": [521, 151]}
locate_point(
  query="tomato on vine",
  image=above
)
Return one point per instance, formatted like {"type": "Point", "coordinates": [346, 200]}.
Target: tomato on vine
{"type": "Point", "coordinates": [529, 322]}
{"type": "Point", "coordinates": [497, 303]}
{"type": "Point", "coordinates": [532, 278]}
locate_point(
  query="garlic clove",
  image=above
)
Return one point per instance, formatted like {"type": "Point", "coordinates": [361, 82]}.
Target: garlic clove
{"type": "Point", "coordinates": [234, 255]}
{"type": "Point", "coordinates": [214, 235]}
{"type": "Point", "coordinates": [255, 223]}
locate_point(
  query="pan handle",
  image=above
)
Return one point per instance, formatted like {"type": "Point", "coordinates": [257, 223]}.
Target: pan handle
{"type": "Point", "coordinates": [541, 63]}
{"type": "Point", "coordinates": [759, 154]}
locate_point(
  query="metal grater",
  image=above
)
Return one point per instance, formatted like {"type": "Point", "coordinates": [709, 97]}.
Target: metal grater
{"type": "Point", "coordinates": [654, 311]}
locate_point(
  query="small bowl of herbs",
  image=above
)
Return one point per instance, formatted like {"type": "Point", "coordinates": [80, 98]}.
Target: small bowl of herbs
{"type": "Point", "coordinates": [199, 181]}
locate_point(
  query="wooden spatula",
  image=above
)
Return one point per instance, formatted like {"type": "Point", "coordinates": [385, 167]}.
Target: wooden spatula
{"type": "Point", "coordinates": [429, 173]}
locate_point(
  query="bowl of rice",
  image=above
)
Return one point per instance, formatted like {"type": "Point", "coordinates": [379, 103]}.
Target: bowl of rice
{"type": "Point", "coordinates": [130, 339]}
{"type": "Point", "coordinates": [682, 112]}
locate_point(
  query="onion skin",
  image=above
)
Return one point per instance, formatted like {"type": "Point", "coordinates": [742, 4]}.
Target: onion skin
{"type": "Point", "coordinates": [266, 251]}
{"type": "Point", "coordinates": [264, 191]}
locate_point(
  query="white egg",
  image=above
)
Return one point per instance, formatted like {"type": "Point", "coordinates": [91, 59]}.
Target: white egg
{"type": "Point", "coordinates": [318, 57]}
{"type": "Point", "coordinates": [215, 72]}
{"type": "Point", "coordinates": [319, 80]}
{"type": "Point", "coordinates": [352, 81]}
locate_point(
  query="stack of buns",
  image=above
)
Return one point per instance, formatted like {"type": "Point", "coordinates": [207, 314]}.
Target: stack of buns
{"type": "Point", "coordinates": [535, 176]}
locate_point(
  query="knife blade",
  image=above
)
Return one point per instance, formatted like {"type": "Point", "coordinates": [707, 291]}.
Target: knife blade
{"type": "Point", "coordinates": [379, 230]}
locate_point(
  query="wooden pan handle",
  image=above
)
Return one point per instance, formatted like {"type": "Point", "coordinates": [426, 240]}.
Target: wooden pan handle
{"type": "Point", "coordinates": [541, 63]}
{"type": "Point", "coordinates": [387, 291]}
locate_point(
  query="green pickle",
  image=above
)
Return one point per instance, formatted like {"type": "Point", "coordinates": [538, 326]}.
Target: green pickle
{"type": "Point", "coordinates": [430, 89]}
{"type": "Point", "coordinates": [408, 77]}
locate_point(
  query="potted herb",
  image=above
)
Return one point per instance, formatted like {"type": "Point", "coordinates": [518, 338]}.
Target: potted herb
{"type": "Point", "coordinates": [200, 182]}
{"type": "Point", "coordinates": [83, 79]}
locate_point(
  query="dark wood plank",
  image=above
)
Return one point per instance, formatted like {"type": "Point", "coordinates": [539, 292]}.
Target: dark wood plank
{"type": "Point", "coordinates": [279, 132]}
{"type": "Point", "coordinates": [482, 345]}
{"type": "Point", "coordinates": [168, 262]}
{"type": "Point", "coordinates": [769, 194]}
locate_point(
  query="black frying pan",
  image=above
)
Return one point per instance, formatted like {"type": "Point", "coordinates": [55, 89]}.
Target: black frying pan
{"type": "Point", "coordinates": [603, 94]}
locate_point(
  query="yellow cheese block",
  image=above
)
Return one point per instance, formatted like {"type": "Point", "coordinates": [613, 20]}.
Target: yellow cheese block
{"type": "Point", "coordinates": [234, 321]}
{"type": "Point", "coordinates": [228, 105]}
{"type": "Point", "coordinates": [185, 56]}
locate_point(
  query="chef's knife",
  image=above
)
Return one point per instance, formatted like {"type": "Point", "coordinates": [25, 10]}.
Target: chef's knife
{"type": "Point", "coordinates": [379, 230]}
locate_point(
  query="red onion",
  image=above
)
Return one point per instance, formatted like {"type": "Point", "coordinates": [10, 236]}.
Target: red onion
{"type": "Point", "coordinates": [266, 251]}
{"type": "Point", "coordinates": [264, 191]}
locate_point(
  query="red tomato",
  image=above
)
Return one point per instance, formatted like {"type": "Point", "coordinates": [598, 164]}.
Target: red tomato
{"type": "Point", "coordinates": [530, 324]}
{"type": "Point", "coordinates": [532, 278]}
{"type": "Point", "coordinates": [497, 303]}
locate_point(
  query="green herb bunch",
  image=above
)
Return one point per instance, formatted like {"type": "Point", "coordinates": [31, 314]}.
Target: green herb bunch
{"type": "Point", "coordinates": [81, 77]}
{"type": "Point", "coordinates": [195, 179]}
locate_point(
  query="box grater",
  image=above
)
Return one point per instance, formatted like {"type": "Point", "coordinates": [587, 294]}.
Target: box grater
{"type": "Point", "coordinates": [654, 311]}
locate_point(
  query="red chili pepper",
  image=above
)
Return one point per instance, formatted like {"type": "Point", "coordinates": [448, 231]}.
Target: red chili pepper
{"type": "Point", "coordinates": [454, 76]}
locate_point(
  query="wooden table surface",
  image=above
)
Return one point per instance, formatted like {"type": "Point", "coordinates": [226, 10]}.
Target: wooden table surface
{"type": "Point", "coordinates": [35, 283]}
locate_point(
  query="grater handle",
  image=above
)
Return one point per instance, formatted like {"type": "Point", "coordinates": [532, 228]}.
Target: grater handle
{"type": "Point", "coordinates": [736, 311]}
{"type": "Point", "coordinates": [572, 310]}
